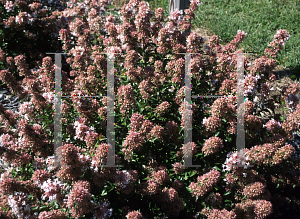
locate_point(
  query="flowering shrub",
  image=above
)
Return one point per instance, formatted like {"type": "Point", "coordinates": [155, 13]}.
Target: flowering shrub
{"type": "Point", "coordinates": [31, 29]}
{"type": "Point", "coordinates": [149, 122]}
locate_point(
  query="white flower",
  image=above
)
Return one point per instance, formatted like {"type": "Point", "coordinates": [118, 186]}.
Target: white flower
{"type": "Point", "coordinates": [9, 6]}
{"type": "Point", "coordinates": [209, 73]}
{"type": "Point", "coordinates": [172, 89]}
{"type": "Point", "coordinates": [204, 120]}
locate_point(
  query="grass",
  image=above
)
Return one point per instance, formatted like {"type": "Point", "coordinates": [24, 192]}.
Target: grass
{"type": "Point", "coordinates": [259, 18]}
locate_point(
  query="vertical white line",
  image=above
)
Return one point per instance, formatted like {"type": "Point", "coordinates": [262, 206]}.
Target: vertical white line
{"type": "Point", "coordinates": [57, 106]}
{"type": "Point", "coordinates": [110, 111]}
{"type": "Point", "coordinates": [240, 139]}
{"type": "Point", "coordinates": [188, 156]}
{"type": "Point", "coordinates": [110, 132]}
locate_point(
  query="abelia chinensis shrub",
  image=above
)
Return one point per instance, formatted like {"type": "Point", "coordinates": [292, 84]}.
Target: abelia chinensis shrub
{"type": "Point", "coordinates": [149, 125]}
{"type": "Point", "coordinates": [29, 28]}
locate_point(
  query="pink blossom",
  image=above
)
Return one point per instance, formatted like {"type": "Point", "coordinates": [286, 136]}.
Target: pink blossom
{"type": "Point", "coordinates": [180, 95]}
{"type": "Point", "coordinates": [53, 214]}
{"type": "Point", "coordinates": [157, 132]}
{"type": "Point", "coordinates": [2, 55]}
{"type": "Point", "coordinates": [134, 215]}
{"type": "Point", "coordinates": [212, 145]}
{"type": "Point", "coordinates": [261, 154]}
{"type": "Point", "coordinates": [204, 183]}
{"type": "Point", "coordinates": [253, 190]}
{"type": "Point", "coordinates": [52, 190]}
{"type": "Point", "coordinates": [145, 89]}
{"type": "Point", "coordinates": [161, 176]}
{"type": "Point", "coordinates": [292, 123]}
{"type": "Point", "coordinates": [212, 123]}
{"type": "Point", "coordinates": [80, 194]}
{"type": "Point", "coordinates": [178, 168]}
{"type": "Point", "coordinates": [136, 121]}
{"type": "Point", "coordinates": [263, 208]}
{"type": "Point", "coordinates": [283, 153]}
{"type": "Point", "coordinates": [126, 97]}
{"type": "Point", "coordinates": [151, 187]}
{"type": "Point", "coordinates": [219, 108]}
{"type": "Point", "coordinates": [278, 42]}
{"type": "Point", "coordinates": [39, 176]}
{"type": "Point", "coordinates": [216, 213]}
{"type": "Point", "coordinates": [146, 128]}
{"type": "Point", "coordinates": [19, 204]}
{"type": "Point", "coordinates": [9, 6]}
{"type": "Point", "coordinates": [132, 142]}
{"type": "Point", "coordinates": [189, 149]}
{"type": "Point", "coordinates": [162, 108]}
{"type": "Point", "coordinates": [273, 126]}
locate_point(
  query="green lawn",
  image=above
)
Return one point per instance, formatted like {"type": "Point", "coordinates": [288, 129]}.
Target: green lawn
{"type": "Point", "coordinates": [259, 18]}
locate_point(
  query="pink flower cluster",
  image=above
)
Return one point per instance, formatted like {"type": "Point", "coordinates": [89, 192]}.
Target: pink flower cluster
{"type": "Point", "coordinates": [212, 145]}
{"type": "Point", "coordinates": [283, 153]}
{"type": "Point", "coordinates": [134, 215]}
{"type": "Point", "coordinates": [73, 162]}
{"type": "Point", "coordinates": [136, 32]}
{"type": "Point", "coordinates": [53, 214]}
{"type": "Point", "coordinates": [261, 208]}
{"type": "Point", "coordinates": [205, 183]}
{"type": "Point", "coordinates": [273, 126]}
{"type": "Point", "coordinates": [278, 42]}
{"type": "Point", "coordinates": [189, 149]}
{"type": "Point", "coordinates": [216, 213]}
{"type": "Point", "coordinates": [160, 176]}
{"type": "Point", "coordinates": [261, 154]}
{"type": "Point", "coordinates": [171, 202]}
{"type": "Point", "coordinates": [178, 168]}
{"type": "Point", "coordinates": [126, 97]}
{"type": "Point", "coordinates": [19, 205]}
{"type": "Point", "coordinates": [162, 108]}
{"type": "Point", "coordinates": [253, 190]}
{"type": "Point", "coordinates": [81, 196]}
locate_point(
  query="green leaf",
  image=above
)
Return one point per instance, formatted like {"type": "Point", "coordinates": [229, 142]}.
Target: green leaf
{"type": "Point", "coordinates": [30, 196]}
{"type": "Point", "coordinates": [217, 168]}
{"type": "Point", "coordinates": [192, 174]}
{"type": "Point", "coordinates": [34, 208]}
{"type": "Point", "coordinates": [103, 193]}
{"type": "Point", "coordinates": [43, 208]}
{"type": "Point", "coordinates": [227, 193]}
